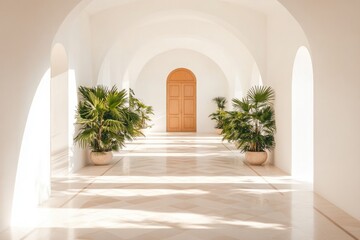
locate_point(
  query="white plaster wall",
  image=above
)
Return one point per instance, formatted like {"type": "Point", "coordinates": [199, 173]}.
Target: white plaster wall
{"type": "Point", "coordinates": [256, 78]}
{"type": "Point", "coordinates": [32, 185]}
{"type": "Point", "coordinates": [284, 38]}
{"type": "Point", "coordinates": [75, 35]}
{"type": "Point", "coordinates": [151, 85]}
{"type": "Point", "coordinates": [333, 30]}
{"type": "Point", "coordinates": [302, 117]}
{"type": "Point", "coordinates": [27, 31]}
{"type": "Point", "coordinates": [59, 124]}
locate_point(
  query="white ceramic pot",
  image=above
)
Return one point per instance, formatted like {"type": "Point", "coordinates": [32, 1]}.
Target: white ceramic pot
{"type": "Point", "coordinates": [218, 131]}
{"type": "Point", "coordinates": [255, 158]}
{"type": "Point", "coordinates": [101, 158]}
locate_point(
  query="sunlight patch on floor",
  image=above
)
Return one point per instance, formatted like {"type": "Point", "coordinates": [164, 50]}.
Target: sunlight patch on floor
{"type": "Point", "coordinates": [131, 192]}
{"type": "Point", "coordinates": [130, 219]}
{"type": "Point", "coordinates": [191, 179]}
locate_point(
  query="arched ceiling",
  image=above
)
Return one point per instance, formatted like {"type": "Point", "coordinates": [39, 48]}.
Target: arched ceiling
{"type": "Point", "coordinates": [126, 34]}
{"type": "Point", "coordinates": [263, 6]}
{"type": "Point", "coordinates": [139, 44]}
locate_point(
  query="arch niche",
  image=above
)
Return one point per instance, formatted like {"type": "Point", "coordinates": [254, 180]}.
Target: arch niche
{"type": "Point", "coordinates": [302, 116]}
{"type": "Point", "coordinates": [181, 101]}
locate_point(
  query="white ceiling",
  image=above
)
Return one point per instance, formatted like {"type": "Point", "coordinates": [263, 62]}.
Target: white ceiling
{"type": "Point", "coordinates": [267, 7]}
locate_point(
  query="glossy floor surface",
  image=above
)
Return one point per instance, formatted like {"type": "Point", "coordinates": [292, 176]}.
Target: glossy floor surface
{"type": "Point", "coordinates": [189, 187]}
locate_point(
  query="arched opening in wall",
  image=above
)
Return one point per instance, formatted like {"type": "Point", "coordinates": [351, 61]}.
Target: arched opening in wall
{"type": "Point", "coordinates": [302, 116]}
{"type": "Point", "coordinates": [59, 111]}
{"type": "Point", "coordinates": [181, 101]}
{"type": "Point", "coordinates": [149, 84]}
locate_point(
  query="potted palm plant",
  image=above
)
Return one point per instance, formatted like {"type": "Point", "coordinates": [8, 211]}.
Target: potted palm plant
{"type": "Point", "coordinates": [219, 115]}
{"type": "Point", "coordinates": [106, 122]}
{"type": "Point", "coordinates": [252, 124]}
{"type": "Point", "coordinates": [144, 111]}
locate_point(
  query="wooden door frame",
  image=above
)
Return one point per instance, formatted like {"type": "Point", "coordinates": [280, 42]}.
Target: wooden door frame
{"type": "Point", "coordinates": [168, 81]}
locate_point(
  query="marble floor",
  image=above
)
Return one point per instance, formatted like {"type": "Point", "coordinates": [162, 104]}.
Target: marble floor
{"type": "Point", "coordinates": [188, 187]}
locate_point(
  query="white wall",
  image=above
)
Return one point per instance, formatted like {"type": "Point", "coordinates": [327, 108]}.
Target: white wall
{"type": "Point", "coordinates": [75, 35]}
{"type": "Point", "coordinates": [59, 128]}
{"type": "Point", "coordinates": [27, 31]}
{"type": "Point", "coordinates": [333, 30]}
{"type": "Point", "coordinates": [32, 185]}
{"type": "Point", "coordinates": [64, 157]}
{"type": "Point", "coordinates": [302, 117]}
{"type": "Point", "coordinates": [284, 38]}
{"type": "Point", "coordinates": [210, 80]}
{"type": "Point", "coordinates": [59, 125]}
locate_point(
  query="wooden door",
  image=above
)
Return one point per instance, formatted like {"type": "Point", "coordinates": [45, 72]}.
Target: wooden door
{"type": "Point", "coordinates": [181, 101]}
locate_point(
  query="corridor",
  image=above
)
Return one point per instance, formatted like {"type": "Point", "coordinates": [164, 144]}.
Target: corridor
{"type": "Point", "coordinates": [189, 187]}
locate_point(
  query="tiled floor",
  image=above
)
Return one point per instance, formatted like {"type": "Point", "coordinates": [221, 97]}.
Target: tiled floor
{"type": "Point", "coordinates": [188, 187]}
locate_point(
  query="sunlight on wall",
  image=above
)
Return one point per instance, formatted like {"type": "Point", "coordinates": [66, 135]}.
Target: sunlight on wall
{"type": "Point", "coordinates": [59, 111]}
{"type": "Point", "coordinates": [302, 116]}
{"type": "Point", "coordinates": [72, 104]}
{"type": "Point", "coordinates": [33, 173]}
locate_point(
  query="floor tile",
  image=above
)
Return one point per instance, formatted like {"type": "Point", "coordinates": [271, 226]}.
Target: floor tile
{"type": "Point", "coordinates": [185, 186]}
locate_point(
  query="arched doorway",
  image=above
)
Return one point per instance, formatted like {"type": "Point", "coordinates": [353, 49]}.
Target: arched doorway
{"type": "Point", "coordinates": [302, 116]}
{"type": "Point", "coordinates": [181, 101]}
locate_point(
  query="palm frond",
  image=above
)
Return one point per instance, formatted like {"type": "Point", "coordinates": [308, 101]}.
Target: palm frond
{"type": "Point", "coordinates": [106, 120]}
{"type": "Point", "coordinates": [252, 124]}
{"type": "Point", "coordinates": [261, 94]}
{"type": "Point", "coordinates": [241, 105]}
{"type": "Point", "coordinates": [220, 102]}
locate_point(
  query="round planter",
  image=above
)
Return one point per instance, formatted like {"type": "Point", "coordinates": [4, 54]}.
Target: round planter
{"type": "Point", "coordinates": [255, 158]}
{"type": "Point", "coordinates": [218, 131]}
{"type": "Point", "coordinates": [101, 158]}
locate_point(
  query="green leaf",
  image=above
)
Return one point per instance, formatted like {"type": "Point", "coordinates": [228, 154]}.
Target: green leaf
{"type": "Point", "coordinates": [252, 123]}
{"type": "Point", "coordinates": [105, 119]}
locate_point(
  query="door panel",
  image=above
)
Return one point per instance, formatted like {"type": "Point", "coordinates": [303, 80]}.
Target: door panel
{"type": "Point", "coordinates": [174, 124]}
{"type": "Point", "coordinates": [174, 107]}
{"type": "Point", "coordinates": [189, 107]}
{"type": "Point", "coordinates": [188, 124]}
{"type": "Point", "coordinates": [189, 90]}
{"type": "Point", "coordinates": [181, 101]}
{"type": "Point", "coordinates": [174, 90]}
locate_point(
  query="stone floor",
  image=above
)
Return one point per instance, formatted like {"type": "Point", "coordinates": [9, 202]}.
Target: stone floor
{"type": "Point", "coordinates": [188, 187]}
